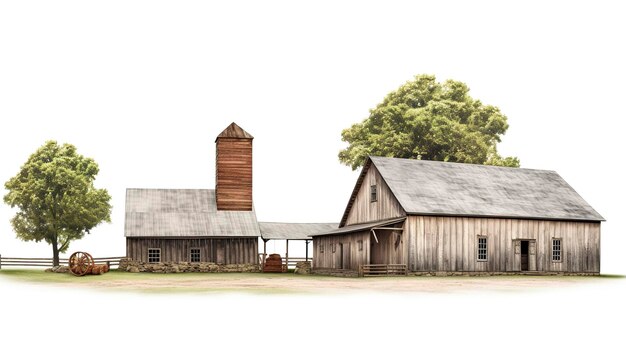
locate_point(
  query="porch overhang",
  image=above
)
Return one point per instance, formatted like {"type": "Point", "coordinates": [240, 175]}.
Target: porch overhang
{"type": "Point", "coordinates": [362, 227]}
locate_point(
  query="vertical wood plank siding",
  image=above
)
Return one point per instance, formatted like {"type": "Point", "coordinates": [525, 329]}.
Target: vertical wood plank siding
{"type": "Point", "coordinates": [386, 206]}
{"type": "Point", "coordinates": [233, 185]}
{"type": "Point", "coordinates": [353, 257]}
{"type": "Point", "coordinates": [450, 244]}
{"type": "Point", "coordinates": [218, 250]}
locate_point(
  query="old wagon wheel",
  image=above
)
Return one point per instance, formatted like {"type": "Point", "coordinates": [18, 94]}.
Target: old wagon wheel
{"type": "Point", "coordinates": [81, 263]}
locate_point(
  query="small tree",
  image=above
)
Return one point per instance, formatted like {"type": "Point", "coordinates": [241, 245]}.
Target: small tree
{"type": "Point", "coordinates": [56, 198]}
{"type": "Point", "coordinates": [428, 120]}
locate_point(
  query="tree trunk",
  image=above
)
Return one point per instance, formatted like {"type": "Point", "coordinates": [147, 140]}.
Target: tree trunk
{"type": "Point", "coordinates": [55, 253]}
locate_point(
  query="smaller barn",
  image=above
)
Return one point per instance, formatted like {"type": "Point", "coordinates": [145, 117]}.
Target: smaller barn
{"type": "Point", "coordinates": [199, 225]}
{"type": "Point", "coordinates": [184, 225]}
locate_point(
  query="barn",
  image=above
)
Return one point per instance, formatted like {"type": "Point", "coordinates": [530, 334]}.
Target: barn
{"type": "Point", "coordinates": [432, 217]}
{"type": "Point", "coordinates": [199, 225]}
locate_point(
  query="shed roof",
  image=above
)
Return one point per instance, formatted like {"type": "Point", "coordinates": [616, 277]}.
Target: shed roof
{"type": "Point", "coordinates": [460, 189]}
{"type": "Point", "coordinates": [361, 226]}
{"type": "Point", "coordinates": [183, 213]}
{"type": "Point", "coordinates": [294, 231]}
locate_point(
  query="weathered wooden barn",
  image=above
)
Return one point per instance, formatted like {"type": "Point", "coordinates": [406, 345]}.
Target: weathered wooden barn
{"type": "Point", "coordinates": [199, 225]}
{"type": "Point", "coordinates": [451, 217]}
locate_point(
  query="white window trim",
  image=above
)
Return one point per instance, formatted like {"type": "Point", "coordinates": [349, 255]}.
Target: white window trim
{"type": "Point", "coordinates": [191, 255]}
{"type": "Point", "coordinates": [478, 248]}
{"type": "Point", "coordinates": [156, 249]}
{"type": "Point", "coordinates": [560, 249]}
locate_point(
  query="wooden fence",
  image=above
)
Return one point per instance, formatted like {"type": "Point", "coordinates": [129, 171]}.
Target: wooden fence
{"type": "Point", "coordinates": [289, 262]}
{"type": "Point", "coordinates": [47, 262]}
{"type": "Point", "coordinates": [370, 270]}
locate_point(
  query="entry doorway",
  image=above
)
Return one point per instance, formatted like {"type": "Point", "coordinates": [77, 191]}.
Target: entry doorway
{"type": "Point", "coordinates": [524, 255]}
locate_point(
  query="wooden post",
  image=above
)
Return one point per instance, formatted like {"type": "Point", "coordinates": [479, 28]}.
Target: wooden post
{"type": "Point", "coordinates": [287, 257]}
{"type": "Point", "coordinates": [264, 251]}
{"type": "Point", "coordinates": [306, 256]}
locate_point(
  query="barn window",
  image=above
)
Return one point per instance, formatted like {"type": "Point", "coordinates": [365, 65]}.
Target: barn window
{"type": "Point", "coordinates": [360, 243]}
{"type": "Point", "coordinates": [373, 194]}
{"type": "Point", "coordinates": [556, 250]}
{"type": "Point", "coordinates": [154, 255]}
{"type": "Point", "coordinates": [334, 246]}
{"type": "Point", "coordinates": [321, 248]}
{"type": "Point", "coordinates": [194, 255]}
{"type": "Point", "coordinates": [482, 248]}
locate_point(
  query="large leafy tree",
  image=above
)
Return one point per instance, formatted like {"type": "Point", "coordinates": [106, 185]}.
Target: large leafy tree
{"type": "Point", "coordinates": [55, 196]}
{"type": "Point", "coordinates": [428, 120]}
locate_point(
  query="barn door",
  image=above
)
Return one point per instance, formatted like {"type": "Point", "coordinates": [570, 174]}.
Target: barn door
{"type": "Point", "coordinates": [221, 252]}
{"type": "Point", "coordinates": [345, 252]}
{"type": "Point", "coordinates": [524, 255]}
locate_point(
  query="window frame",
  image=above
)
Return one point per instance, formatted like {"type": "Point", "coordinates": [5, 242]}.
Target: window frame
{"type": "Point", "coordinates": [191, 254]}
{"type": "Point", "coordinates": [158, 250]}
{"type": "Point", "coordinates": [479, 249]}
{"type": "Point", "coordinates": [553, 251]}
{"type": "Point", "coordinates": [373, 193]}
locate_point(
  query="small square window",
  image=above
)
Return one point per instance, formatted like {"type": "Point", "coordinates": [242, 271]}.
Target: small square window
{"type": "Point", "coordinates": [154, 255]}
{"type": "Point", "coordinates": [373, 193]}
{"type": "Point", "coordinates": [194, 255]}
{"type": "Point", "coordinates": [556, 250]}
{"type": "Point", "coordinates": [482, 248]}
{"type": "Point", "coordinates": [360, 244]}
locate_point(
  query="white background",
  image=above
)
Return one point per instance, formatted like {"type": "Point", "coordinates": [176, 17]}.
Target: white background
{"type": "Point", "coordinates": [143, 87]}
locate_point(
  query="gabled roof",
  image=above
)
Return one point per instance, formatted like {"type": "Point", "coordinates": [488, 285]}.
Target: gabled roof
{"type": "Point", "coordinates": [460, 189]}
{"type": "Point", "coordinates": [234, 131]}
{"type": "Point", "coordinates": [183, 213]}
{"type": "Point", "coordinates": [293, 231]}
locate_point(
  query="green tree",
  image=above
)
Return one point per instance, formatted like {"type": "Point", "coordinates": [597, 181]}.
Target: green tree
{"type": "Point", "coordinates": [428, 120]}
{"type": "Point", "coordinates": [55, 196]}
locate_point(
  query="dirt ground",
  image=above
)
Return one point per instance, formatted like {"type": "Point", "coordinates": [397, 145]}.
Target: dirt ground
{"type": "Point", "coordinates": [290, 283]}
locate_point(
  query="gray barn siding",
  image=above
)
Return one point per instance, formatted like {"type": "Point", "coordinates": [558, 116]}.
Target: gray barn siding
{"type": "Point", "coordinates": [217, 250]}
{"type": "Point", "coordinates": [450, 244]}
{"type": "Point", "coordinates": [386, 206]}
{"type": "Point", "coordinates": [353, 256]}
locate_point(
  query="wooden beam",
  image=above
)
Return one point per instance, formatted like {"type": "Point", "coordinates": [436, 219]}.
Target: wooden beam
{"type": "Point", "coordinates": [374, 233]}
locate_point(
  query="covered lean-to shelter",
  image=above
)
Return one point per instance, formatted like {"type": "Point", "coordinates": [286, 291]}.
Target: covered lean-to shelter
{"type": "Point", "coordinates": [451, 217]}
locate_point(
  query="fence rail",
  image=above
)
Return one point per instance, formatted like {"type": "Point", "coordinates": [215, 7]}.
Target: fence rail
{"type": "Point", "coordinates": [47, 262]}
{"type": "Point", "coordinates": [371, 270]}
{"type": "Point", "coordinates": [289, 262]}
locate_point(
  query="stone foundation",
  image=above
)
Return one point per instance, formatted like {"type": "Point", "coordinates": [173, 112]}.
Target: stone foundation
{"type": "Point", "coordinates": [335, 272]}
{"type": "Point", "coordinates": [487, 274]}
{"type": "Point", "coordinates": [132, 266]}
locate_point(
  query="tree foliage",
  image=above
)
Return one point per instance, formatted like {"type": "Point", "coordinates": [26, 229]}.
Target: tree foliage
{"type": "Point", "coordinates": [55, 196]}
{"type": "Point", "coordinates": [428, 120]}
